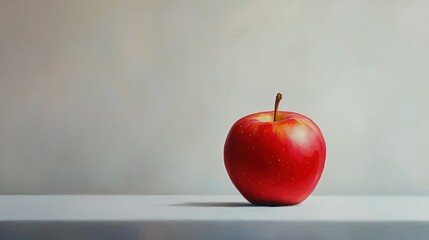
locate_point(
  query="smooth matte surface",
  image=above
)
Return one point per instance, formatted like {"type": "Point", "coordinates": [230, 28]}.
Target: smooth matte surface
{"type": "Point", "coordinates": [211, 217]}
{"type": "Point", "coordinates": [213, 208]}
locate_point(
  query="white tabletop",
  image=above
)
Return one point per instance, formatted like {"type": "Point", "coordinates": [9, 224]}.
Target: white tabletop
{"type": "Point", "coordinates": [211, 217]}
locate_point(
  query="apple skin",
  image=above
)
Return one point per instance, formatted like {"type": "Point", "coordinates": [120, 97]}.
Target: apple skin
{"type": "Point", "coordinates": [275, 163]}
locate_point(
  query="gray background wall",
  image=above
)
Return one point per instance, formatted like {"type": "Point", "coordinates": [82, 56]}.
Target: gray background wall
{"type": "Point", "coordinates": [137, 96]}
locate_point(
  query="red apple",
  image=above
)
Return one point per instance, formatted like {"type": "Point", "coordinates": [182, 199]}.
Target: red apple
{"type": "Point", "coordinates": [275, 158]}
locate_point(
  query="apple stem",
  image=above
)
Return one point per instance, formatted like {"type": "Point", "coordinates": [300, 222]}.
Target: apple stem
{"type": "Point", "coordinates": [276, 106]}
